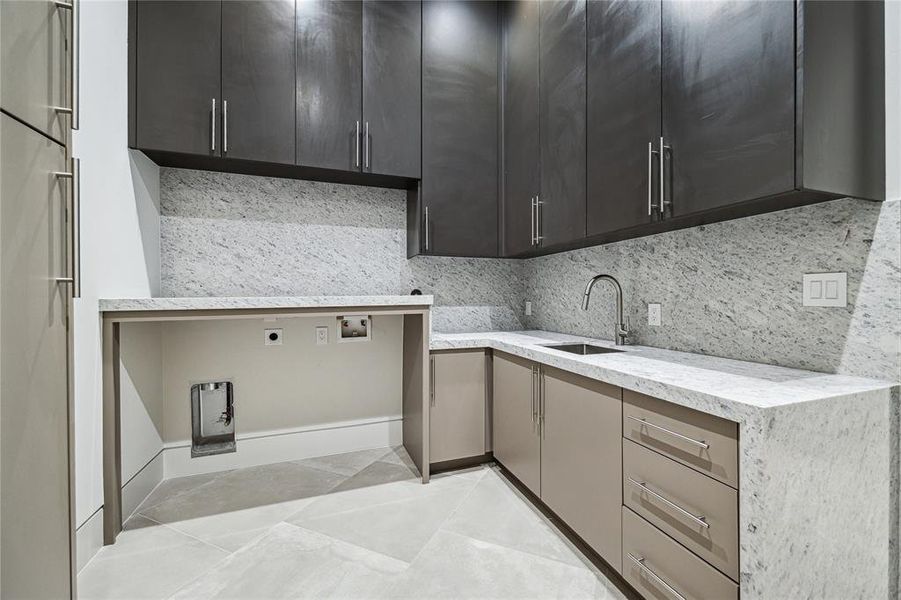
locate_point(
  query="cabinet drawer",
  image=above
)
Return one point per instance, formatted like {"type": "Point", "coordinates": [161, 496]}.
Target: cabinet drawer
{"type": "Point", "coordinates": [658, 567]}
{"type": "Point", "coordinates": [703, 442]}
{"type": "Point", "coordinates": [695, 510]}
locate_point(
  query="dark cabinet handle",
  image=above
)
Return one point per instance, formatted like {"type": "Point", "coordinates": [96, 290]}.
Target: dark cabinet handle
{"type": "Point", "coordinates": [213, 127]}
{"type": "Point", "coordinates": [357, 146]}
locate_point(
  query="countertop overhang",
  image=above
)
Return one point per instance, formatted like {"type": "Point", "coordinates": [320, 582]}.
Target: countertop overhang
{"type": "Point", "coordinates": [732, 389]}
{"type": "Point", "coordinates": [258, 302]}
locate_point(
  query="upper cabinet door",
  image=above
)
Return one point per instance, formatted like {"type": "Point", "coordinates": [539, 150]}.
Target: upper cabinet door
{"type": "Point", "coordinates": [561, 89]}
{"type": "Point", "coordinates": [258, 80]}
{"type": "Point", "coordinates": [623, 113]}
{"type": "Point", "coordinates": [392, 78]}
{"type": "Point", "coordinates": [178, 101]}
{"type": "Point", "coordinates": [728, 101]}
{"type": "Point", "coordinates": [521, 157]}
{"type": "Point", "coordinates": [460, 126]}
{"type": "Point", "coordinates": [34, 52]}
{"type": "Point", "coordinates": [329, 84]}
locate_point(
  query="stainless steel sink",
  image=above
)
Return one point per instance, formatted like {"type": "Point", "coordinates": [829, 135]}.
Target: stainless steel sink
{"type": "Point", "coordinates": [582, 349]}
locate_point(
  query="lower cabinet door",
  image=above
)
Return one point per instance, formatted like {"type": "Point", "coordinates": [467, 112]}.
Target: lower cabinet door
{"type": "Point", "coordinates": [581, 458]}
{"type": "Point", "coordinates": [457, 414]}
{"type": "Point", "coordinates": [516, 443]}
{"type": "Point", "coordinates": [34, 406]}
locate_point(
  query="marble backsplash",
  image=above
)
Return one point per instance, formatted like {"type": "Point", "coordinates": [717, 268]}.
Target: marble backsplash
{"type": "Point", "coordinates": [237, 235]}
{"type": "Point", "coordinates": [730, 289]}
{"type": "Point", "coordinates": [733, 289]}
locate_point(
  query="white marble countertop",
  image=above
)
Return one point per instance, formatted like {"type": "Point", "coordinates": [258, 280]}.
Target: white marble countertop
{"type": "Point", "coordinates": [262, 302]}
{"type": "Point", "coordinates": [732, 389]}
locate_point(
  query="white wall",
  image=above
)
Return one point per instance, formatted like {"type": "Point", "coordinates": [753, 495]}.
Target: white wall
{"type": "Point", "coordinates": [120, 225]}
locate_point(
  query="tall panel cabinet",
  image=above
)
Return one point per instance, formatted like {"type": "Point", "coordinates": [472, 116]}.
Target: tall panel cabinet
{"type": "Point", "coordinates": [623, 115]}
{"type": "Point", "coordinates": [544, 65]}
{"type": "Point", "coordinates": [39, 276]}
{"type": "Point", "coordinates": [457, 204]}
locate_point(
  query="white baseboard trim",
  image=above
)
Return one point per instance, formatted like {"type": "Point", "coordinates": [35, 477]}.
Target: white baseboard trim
{"type": "Point", "coordinates": [139, 487]}
{"type": "Point", "coordinates": [280, 445]}
{"type": "Point", "coordinates": [88, 539]}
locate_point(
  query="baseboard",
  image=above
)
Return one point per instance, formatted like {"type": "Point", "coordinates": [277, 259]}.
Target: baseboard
{"type": "Point", "coordinates": [265, 447]}
{"type": "Point", "coordinates": [88, 539]}
{"type": "Point", "coordinates": [141, 484]}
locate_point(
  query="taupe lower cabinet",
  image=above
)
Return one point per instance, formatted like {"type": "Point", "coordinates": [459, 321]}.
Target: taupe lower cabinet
{"type": "Point", "coordinates": [35, 551]}
{"type": "Point", "coordinates": [560, 435]}
{"type": "Point", "coordinates": [517, 445]}
{"type": "Point", "coordinates": [457, 405]}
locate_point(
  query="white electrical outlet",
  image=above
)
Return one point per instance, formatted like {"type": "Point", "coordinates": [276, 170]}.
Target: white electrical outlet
{"type": "Point", "coordinates": [321, 336]}
{"type": "Point", "coordinates": [273, 337]}
{"type": "Point", "coordinates": [654, 315]}
{"type": "Point", "coordinates": [528, 309]}
{"type": "Point", "coordinates": [825, 289]}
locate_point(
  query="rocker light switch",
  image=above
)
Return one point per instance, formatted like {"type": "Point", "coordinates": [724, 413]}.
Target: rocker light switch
{"type": "Point", "coordinates": [825, 289]}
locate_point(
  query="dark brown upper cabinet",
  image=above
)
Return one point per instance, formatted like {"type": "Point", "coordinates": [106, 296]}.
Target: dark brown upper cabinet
{"type": "Point", "coordinates": [521, 106]}
{"type": "Point", "coordinates": [456, 208]}
{"type": "Point", "coordinates": [544, 124]}
{"type": "Point", "coordinates": [728, 102]}
{"type": "Point", "coordinates": [760, 108]}
{"type": "Point", "coordinates": [258, 80]}
{"type": "Point", "coordinates": [561, 121]}
{"type": "Point", "coordinates": [315, 89]}
{"type": "Point", "coordinates": [358, 86]}
{"type": "Point", "coordinates": [177, 84]}
{"type": "Point", "coordinates": [623, 113]}
{"type": "Point", "coordinates": [330, 84]}
{"type": "Point", "coordinates": [392, 88]}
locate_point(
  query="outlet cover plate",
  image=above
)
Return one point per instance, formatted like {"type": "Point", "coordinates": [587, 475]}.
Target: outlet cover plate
{"type": "Point", "coordinates": [321, 336]}
{"type": "Point", "coordinates": [825, 289]}
{"type": "Point", "coordinates": [528, 308]}
{"type": "Point", "coordinates": [268, 337]}
{"type": "Point", "coordinates": [654, 314]}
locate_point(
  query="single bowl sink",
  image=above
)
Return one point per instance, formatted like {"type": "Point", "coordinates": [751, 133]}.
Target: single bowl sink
{"type": "Point", "coordinates": [582, 349]}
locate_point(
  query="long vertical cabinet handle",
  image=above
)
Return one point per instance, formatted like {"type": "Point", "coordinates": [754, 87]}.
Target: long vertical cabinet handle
{"type": "Point", "coordinates": [224, 126]}
{"type": "Point", "coordinates": [213, 126]}
{"type": "Point", "coordinates": [73, 212]}
{"type": "Point", "coordinates": [651, 153]}
{"type": "Point", "coordinates": [543, 403]}
{"type": "Point", "coordinates": [366, 148]}
{"type": "Point", "coordinates": [74, 75]}
{"type": "Point", "coordinates": [532, 221]}
{"type": "Point", "coordinates": [432, 380]}
{"type": "Point", "coordinates": [357, 147]}
{"type": "Point", "coordinates": [538, 220]}
{"type": "Point", "coordinates": [663, 201]}
{"type": "Point", "coordinates": [534, 211]}
{"type": "Point", "coordinates": [534, 405]}
{"type": "Point", "coordinates": [427, 227]}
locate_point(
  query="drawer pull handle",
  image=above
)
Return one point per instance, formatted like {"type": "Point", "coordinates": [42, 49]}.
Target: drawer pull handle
{"type": "Point", "coordinates": [700, 520]}
{"type": "Point", "coordinates": [684, 438]}
{"type": "Point", "coordinates": [655, 576]}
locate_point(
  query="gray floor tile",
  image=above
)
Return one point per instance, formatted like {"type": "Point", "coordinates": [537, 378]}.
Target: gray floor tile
{"type": "Point", "coordinates": [378, 473]}
{"type": "Point", "coordinates": [291, 562]}
{"type": "Point", "coordinates": [349, 463]}
{"type": "Point", "coordinates": [494, 512]}
{"type": "Point", "coordinates": [170, 488]}
{"type": "Point", "coordinates": [152, 573]}
{"type": "Point", "coordinates": [398, 529]}
{"type": "Point", "coordinates": [245, 489]}
{"type": "Point", "coordinates": [455, 566]}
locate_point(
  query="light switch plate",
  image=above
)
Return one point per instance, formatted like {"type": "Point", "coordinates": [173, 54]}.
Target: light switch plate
{"type": "Point", "coordinates": [825, 289]}
{"type": "Point", "coordinates": [321, 336]}
{"type": "Point", "coordinates": [654, 315]}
